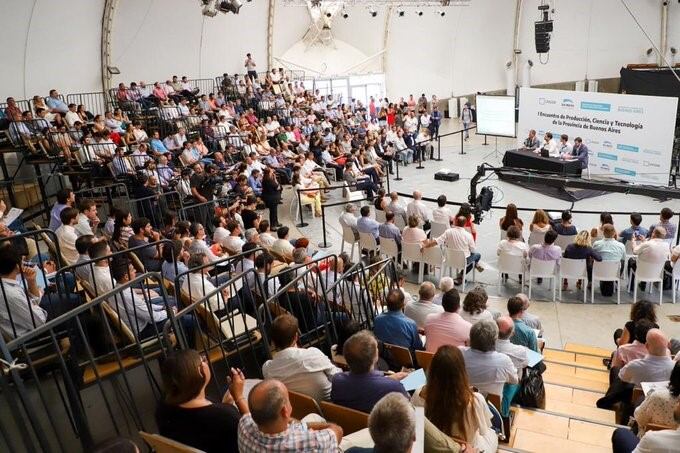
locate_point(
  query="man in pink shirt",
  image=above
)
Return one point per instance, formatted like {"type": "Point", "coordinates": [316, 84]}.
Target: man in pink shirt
{"type": "Point", "coordinates": [635, 350]}
{"type": "Point", "coordinates": [448, 327]}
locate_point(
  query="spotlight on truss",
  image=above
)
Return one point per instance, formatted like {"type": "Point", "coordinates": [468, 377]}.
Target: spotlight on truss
{"type": "Point", "coordinates": [373, 12]}
{"type": "Point", "coordinates": [230, 6]}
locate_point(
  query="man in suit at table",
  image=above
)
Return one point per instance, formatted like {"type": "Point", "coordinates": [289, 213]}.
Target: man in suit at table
{"type": "Point", "coordinates": [531, 141]}
{"type": "Point", "coordinates": [580, 151]}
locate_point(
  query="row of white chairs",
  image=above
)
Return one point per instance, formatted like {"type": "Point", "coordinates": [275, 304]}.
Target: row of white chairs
{"type": "Point", "coordinates": [447, 259]}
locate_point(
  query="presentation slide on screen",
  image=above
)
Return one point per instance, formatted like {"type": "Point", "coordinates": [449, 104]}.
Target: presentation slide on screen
{"type": "Point", "coordinates": [628, 137]}
{"type": "Point", "coordinates": [496, 115]}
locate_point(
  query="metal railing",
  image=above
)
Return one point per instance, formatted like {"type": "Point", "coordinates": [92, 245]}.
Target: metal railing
{"type": "Point", "coordinates": [94, 103]}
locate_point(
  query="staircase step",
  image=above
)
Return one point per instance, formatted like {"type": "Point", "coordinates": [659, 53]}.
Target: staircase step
{"type": "Point", "coordinates": [590, 350]}
{"type": "Point", "coordinates": [541, 443]}
{"type": "Point", "coordinates": [572, 358]}
{"type": "Point", "coordinates": [577, 410]}
{"type": "Point", "coordinates": [573, 381]}
{"type": "Point", "coordinates": [570, 370]}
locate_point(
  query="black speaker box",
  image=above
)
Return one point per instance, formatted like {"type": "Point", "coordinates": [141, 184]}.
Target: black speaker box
{"type": "Point", "coordinates": [446, 176]}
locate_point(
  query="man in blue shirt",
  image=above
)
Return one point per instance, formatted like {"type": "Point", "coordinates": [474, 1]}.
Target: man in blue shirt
{"type": "Point", "coordinates": [362, 387]}
{"type": "Point", "coordinates": [524, 335]}
{"type": "Point", "coordinates": [255, 181]}
{"type": "Point", "coordinates": [394, 327]}
{"type": "Point", "coordinates": [55, 103]}
{"type": "Point", "coordinates": [66, 198]}
{"type": "Point", "coordinates": [665, 222]}
{"type": "Point", "coordinates": [157, 145]}
{"type": "Point", "coordinates": [365, 224]}
{"type": "Point", "coordinates": [635, 229]}
{"type": "Point", "coordinates": [389, 230]}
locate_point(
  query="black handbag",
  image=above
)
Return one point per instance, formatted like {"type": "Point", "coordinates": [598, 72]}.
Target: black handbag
{"type": "Point", "coordinates": [532, 389]}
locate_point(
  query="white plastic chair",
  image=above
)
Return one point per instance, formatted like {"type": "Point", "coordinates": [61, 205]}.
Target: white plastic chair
{"type": "Point", "coordinates": [676, 278]}
{"type": "Point", "coordinates": [649, 273]}
{"type": "Point", "coordinates": [380, 216]}
{"type": "Point", "coordinates": [367, 241]}
{"type": "Point", "coordinates": [390, 249]}
{"type": "Point", "coordinates": [348, 236]}
{"type": "Point", "coordinates": [410, 252]}
{"type": "Point", "coordinates": [564, 240]}
{"type": "Point", "coordinates": [606, 271]}
{"type": "Point", "coordinates": [306, 201]}
{"type": "Point", "coordinates": [350, 195]}
{"type": "Point", "coordinates": [576, 269]}
{"type": "Point", "coordinates": [511, 265]}
{"type": "Point", "coordinates": [437, 229]}
{"type": "Point", "coordinates": [629, 255]}
{"type": "Point", "coordinates": [455, 260]}
{"type": "Point", "coordinates": [536, 237]}
{"type": "Point", "coordinates": [545, 270]}
{"type": "Point", "coordinates": [434, 257]}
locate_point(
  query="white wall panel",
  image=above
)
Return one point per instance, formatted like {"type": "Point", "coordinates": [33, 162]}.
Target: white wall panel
{"type": "Point", "coordinates": [155, 39]}
{"type": "Point", "coordinates": [49, 44]}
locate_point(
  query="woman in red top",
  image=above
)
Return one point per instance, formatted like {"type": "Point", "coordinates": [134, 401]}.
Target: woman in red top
{"type": "Point", "coordinates": [391, 115]}
{"type": "Point", "coordinates": [466, 211]}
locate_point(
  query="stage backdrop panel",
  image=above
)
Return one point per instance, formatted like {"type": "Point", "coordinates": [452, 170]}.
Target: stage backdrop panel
{"type": "Point", "coordinates": [628, 136]}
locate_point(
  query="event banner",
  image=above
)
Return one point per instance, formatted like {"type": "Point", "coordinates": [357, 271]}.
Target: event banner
{"type": "Point", "coordinates": [629, 137]}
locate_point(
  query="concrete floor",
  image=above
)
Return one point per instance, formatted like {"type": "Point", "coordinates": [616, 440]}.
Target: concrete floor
{"type": "Point", "coordinates": [564, 320]}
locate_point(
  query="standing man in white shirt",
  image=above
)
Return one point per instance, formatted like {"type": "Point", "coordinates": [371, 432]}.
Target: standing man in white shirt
{"type": "Point", "coordinates": [466, 117]}
{"type": "Point", "coordinates": [67, 235]}
{"type": "Point", "coordinates": [251, 67]}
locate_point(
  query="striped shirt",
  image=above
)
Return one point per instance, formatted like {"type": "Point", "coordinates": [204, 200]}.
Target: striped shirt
{"type": "Point", "coordinates": [297, 438]}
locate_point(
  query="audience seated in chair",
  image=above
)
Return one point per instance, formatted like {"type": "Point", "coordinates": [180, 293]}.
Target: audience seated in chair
{"type": "Point", "coordinates": [447, 327]}
{"type": "Point", "coordinates": [474, 306]}
{"type": "Point", "coordinates": [269, 426]}
{"type": "Point", "coordinates": [394, 327]}
{"type": "Point", "coordinates": [667, 440]}
{"type": "Point", "coordinates": [188, 416]}
{"type": "Point", "coordinates": [362, 386]}
{"type": "Point", "coordinates": [524, 335]}
{"type": "Point", "coordinates": [452, 405]}
{"type": "Point", "coordinates": [458, 238]}
{"type": "Point", "coordinates": [304, 370]}
{"type": "Point", "coordinates": [420, 309]}
{"type": "Point", "coordinates": [487, 369]}
{"type": "Point", "coordinates": [392, 425]}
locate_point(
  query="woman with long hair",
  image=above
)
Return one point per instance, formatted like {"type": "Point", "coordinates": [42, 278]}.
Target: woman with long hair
{"type": "Point", "coordinates": [581, 249]}
{"type": "Point", "coordinates": [186, 415]}
{"type": "Point", "coordinates": [466, 211]}
{"type": "Point", "coordinates": [451, 404]}
{"type": "Point", "coordinates": [271, 195]}
{"type": "Point", "coordinates": [121, 228]}
{"type": "Point", "coordinates": [540, 222]}
{"type": "Point", "coordinates": [511, 218]}
{"type": "Point", "coordinates": [641, 309]}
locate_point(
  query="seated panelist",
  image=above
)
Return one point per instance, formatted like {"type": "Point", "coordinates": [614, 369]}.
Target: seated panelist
{"type": "Point", "coordinates": [531, 141]}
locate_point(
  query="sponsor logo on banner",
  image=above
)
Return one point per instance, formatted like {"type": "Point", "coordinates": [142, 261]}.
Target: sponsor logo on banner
{"type": "Point", "coordinates": [653, 152]}
{"type": "Point", "coordinates": [607, 144]}
{"type": "Point", "coordinates": [544, 101]}
{"type": "Point", "coordinates": [567, 103]}
{"type": "Point", "coordinates": [628, 160]}
{"type": "Point", "coordinates": [647, 163]}
{"type": "Point", "coordinates": [591, 142]}
{"type": "Point", "coordinates": [605, 167]}
{"type": "Point", "coordinates": [624, 171]}
{"type": "Point", "coordinates": [625, 109]}
{"type": "Point", "coordinates": [629, 148]}
{"type": "Point", "coordinates": [597, 106]}
{"type": "Point", "coordinates": [607, 156]}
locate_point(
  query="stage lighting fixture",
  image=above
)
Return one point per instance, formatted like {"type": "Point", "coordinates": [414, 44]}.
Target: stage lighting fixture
{"type": "Point", "coordinates": [344, 15]}
{"type": "Point", "coordinates": [441, 13]}
{"type": "Point", "coordinates": [542, 29]}
{"type": "Point", "coordinates": [316, 3]}
{"type": "Point", "coordinates": [400, 12]}
{"type": "Point", "coordinates": [230, 6]}
{"type": "Point", "coordinates": [446, 2]}
{"type": "Point", "coordinates": [329, 15]}
{"type": "Point", "coordinates": [373, 12]}
{"type": "Point", "coordinates": [419, 12]}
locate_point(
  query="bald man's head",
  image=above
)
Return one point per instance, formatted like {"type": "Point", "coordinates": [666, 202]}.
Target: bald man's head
{"type": "Point", "coordinates": [269, 404]}
{"type": "Point", "coordinates": [417, 195]}
{"type": "Point", "coordinates": [506, 327]}
{"type": "Point", "coordinates": [657, 343]}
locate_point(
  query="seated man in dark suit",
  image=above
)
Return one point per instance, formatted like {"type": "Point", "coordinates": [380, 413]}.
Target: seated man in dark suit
{"type": "Point", "coordinates": [362, 387]}
{"type": "Point", "coordinates": [580, 151]}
